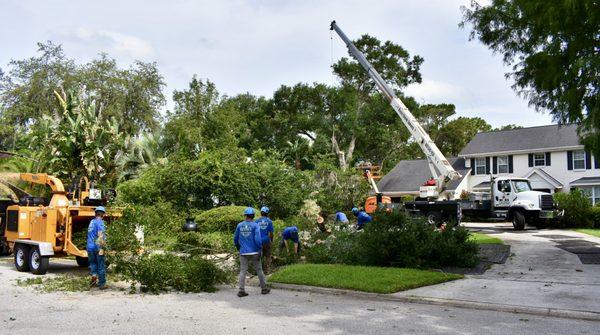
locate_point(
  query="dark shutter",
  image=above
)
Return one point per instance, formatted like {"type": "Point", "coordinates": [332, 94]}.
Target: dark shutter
{"type": "Point", "coordinates": [495, 164]}
{"type": "Point", "coordinates": [487, 165]}
{"type": "Point", "coordinates": [510, 164]}
{"type": "Point", "coordinates": [588, 160]}
{"type": "Point", "coordinates": [472, 166]}
{"type": "Point", "coordinates": [548, 162]}
{"type": "Point", "coordinates": [569, 160]}
{"type": "Point", "coordinates": [530, 160]}
{"type": "Point", "coordinates": [596, 162]}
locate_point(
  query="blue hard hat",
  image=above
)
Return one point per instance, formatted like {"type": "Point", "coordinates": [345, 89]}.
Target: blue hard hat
{"type": "Point", "coordinates": [249, 211]}
{"type": "Point", "coordinates": [100, 209]}
{"type": "Point", "coordinates": [354, 210]}
{"type": "Point", "coordinates": [264, 209]}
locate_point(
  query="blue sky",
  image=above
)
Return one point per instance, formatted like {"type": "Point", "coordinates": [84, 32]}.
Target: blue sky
{"type": "Point", "coordinates": [256, 46]}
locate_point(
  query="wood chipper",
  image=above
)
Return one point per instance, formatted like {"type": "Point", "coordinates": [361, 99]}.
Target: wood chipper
{"type": "Point", "coordinates": [35, 229]}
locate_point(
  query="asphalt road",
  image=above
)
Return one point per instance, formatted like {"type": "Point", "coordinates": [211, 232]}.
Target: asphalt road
{"type": "Point", "coordinates": [26, 311]}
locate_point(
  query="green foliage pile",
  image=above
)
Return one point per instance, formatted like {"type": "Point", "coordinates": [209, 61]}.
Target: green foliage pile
{"type": "Point", "coordinates": [578, 210]}
{"type": "Point", "coordinates": [205, 243]}
{"type": "Point", "coordinates": [395, 239]}
{"type": "Point", "coordinates": [221, 219]}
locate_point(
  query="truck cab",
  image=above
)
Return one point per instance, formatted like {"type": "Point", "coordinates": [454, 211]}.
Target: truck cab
{"type": "Point", "coordinates": [514, 199]}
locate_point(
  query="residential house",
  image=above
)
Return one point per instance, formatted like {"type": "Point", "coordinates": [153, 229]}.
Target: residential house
{"type": "Point", "coordinates": [551, 157]}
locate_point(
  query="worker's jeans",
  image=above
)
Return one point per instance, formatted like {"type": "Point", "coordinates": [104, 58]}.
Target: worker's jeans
{"type": "Point", "coordinates": [255, 259]}
{"type": "Point", "coordinates": [97, 266]}
{"type": "Point", "coordinates": [266, 257]}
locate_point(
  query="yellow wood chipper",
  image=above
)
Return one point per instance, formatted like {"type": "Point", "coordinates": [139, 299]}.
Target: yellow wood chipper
{"type": "Point", "coordinates": [35, 229]}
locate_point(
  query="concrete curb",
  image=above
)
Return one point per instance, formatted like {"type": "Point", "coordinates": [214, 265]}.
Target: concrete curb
{"type": "Point", "coordinates": [517, 309]}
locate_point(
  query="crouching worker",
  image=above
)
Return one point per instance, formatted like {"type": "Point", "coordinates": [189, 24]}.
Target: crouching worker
{"type": "Point", "coordinates": [290, 233]}
{"type": "Point", "coordinates": [248, 242]}
{"type": "Point", "coordinates": [362, 218]}
{"type": "Point", "coordinates": [95, 249]}
{"type": "Point", "coordinates": [266, 233]}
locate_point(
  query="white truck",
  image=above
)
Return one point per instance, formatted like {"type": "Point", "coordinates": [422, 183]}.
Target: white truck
{"type": "Point", "coordinates": [511, 198]}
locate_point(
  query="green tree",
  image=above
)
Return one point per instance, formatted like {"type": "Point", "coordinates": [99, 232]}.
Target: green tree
{"type": "Point", "coordinates": [552, 47]}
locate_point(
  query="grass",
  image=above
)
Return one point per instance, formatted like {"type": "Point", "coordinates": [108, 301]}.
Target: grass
{"type": "Point", "coordinates": [359, 278]}
{"type": "Point", "coordinates": [593, 232]}
{"type": "Point", "coordinates": [485, 239]}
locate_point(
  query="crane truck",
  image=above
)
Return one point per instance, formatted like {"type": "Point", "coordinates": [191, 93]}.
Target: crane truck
{"type": "Point", "coordinates": [511, 198]}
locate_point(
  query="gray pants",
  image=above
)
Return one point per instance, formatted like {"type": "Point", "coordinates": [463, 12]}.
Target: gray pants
{"type": "Point", "coordinates": [255, 259]}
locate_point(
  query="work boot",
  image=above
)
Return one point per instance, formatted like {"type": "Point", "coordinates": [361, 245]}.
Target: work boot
{"type": "Point", "coordinates": [103, 287]}
{"type": "Point", "coordinates": [265, 290]}
{"type": "Point", "coordinates": [93, 281]}
{"type": "Point", "coordinates": [242, 294]}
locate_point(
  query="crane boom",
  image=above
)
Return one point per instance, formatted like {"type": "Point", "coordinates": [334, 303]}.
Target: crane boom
{"type": "Point", "coordinates": [440, 168]}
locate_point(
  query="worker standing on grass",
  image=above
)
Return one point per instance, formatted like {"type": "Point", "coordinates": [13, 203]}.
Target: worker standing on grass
{"type": "Point", "coordinates": [290, 234]}
{"type": "Point", "coordinates": [96, 240]}
{"type": "Point", "coordinates": [266, 234]}
{"type": "Point", "coordinates": [362, 218]}
{"type": "Point", "coordinates": [248, 242]}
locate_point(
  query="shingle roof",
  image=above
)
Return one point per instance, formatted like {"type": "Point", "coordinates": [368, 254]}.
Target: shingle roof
{"type": "Point", "coordinates": [523, 139]}
{"type": "Point", "coordinates": [409, 175]}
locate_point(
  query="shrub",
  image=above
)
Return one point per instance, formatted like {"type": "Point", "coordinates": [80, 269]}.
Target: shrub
{"type": "Point", "coordinates": [221, 219]}
{"type": "Point", "coordinates": [577, 207]}
{"type": "Point", "coordinates": [595, 214]}
{"type": "Point", "coordinates": [204, 243]}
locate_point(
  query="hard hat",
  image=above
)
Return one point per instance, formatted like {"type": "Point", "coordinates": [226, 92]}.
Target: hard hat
{"type": "Point", "coordinates": [100, 209]}
{"type": "Point", "coordinates": [249, 211]}
{"type": "Point", "coordinates": [354, 210]}
{"type": "Point", "coordinates": [264, 209]}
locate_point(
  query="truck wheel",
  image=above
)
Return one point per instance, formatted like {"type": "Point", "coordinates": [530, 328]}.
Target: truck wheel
{"type": "Point", "coordinates": [82, 262]}
{"type": "Point", "coordinates": [518, 220]}
{"type": "Point", "coordinates": [38, 263]}
{"type": "Point", "coordinates": [22, 257]}
{"type": "Point", "coordinates": [434, 218]}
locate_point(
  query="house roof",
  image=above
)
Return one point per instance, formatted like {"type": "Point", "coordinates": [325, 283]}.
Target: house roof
{"type": "Point", "coordinates": [409, 175]}
{"type": "Point", "coordinates": [586, 181]}
{"type": "Point", "coordinates": [523, 139]}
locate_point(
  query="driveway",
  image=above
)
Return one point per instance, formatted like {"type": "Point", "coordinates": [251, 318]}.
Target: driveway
{"type": "Point", "coordinates": [543, 271]}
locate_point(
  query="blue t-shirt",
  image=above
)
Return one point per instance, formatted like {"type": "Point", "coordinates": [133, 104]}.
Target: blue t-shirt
{"type": "Point", "coordinates": [341, 217]}
{"type": "Point", "coordinates": [96, 226]}
{"type": "Point", "coordinates": [247, 237]}
{"type": "Point", "coordinates": [290, 233]}
{"type": "Point", "coordinates": [363, 218]}
{"type": "Point", "coordinates": [266, 226]}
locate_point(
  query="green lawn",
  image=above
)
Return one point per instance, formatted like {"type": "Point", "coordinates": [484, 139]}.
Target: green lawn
{"type": "Point", "coordinates": [485, 239]}
{"type": "Point", "coordinates": [593, 232]}
{"type": "Point", "coordinates": [360, 278]}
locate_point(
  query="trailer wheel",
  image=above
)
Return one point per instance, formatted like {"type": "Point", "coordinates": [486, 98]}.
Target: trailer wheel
{"type": "Point", "coordinates": [434, 218]}
{"type": "Point", "coordinates": [38, 263]}
{"type": "Point", "coordinates": [82, 262]}
{"type": "Point", "coordinates": [518, 220]}
{"type": "Point", "coordinates": [22, 257]}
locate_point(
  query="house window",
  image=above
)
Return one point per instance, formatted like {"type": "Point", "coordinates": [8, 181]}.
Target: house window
{"type": "Point", "coordinates": [539, 159]}
{"type": "Point", "coordinates": [480, 165]}
{"type": "Point", "coordinates": [579, 160]}
{"type": "Point", "coordinates": [502, 164]}
{"type": "Point", "coordinates": [593, 193]}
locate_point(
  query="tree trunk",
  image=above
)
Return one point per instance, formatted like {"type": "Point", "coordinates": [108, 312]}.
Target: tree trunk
{"type": "Point", "coordinates": [343, 159]}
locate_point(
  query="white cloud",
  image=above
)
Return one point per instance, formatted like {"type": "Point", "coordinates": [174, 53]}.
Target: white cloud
{"type": "Point", "coordinates": [432, 91]}
{"type": "Point", "coordinates": [113, 42]}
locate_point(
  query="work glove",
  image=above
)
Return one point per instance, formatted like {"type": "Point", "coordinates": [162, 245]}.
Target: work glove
{"type": "Point", "coordinates": [101, 252]}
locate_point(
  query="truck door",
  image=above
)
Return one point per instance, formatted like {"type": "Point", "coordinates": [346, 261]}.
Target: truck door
{"type": "Point", "coordinates": [502, 194]}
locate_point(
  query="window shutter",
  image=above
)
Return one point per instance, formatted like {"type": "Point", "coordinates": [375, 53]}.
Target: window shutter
{"type": "Point", "coordinates": [495, 164]}
{"type": "Point", "coordinates": [487, 165]}
{"type": "Point", "coordinates": [510, 164]}
{"type": "Point", "coordinates": [472, 166]}
{"type": "Point", "coordinates": [530, 160]}
{"type": "Point", "coordinates": [588, 160]}
{"type": "Point", "coordinates": [596, 162]}
{"type": "Point", "coordinates": [548, 162]}
{"type": "Point", "coordinates": [569, 160]}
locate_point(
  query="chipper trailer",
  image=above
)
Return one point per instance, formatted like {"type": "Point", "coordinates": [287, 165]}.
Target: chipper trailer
{"type": "Point", "coordinates": [511, 198]}
{"type": "Point", "coordinates": [35, 229]}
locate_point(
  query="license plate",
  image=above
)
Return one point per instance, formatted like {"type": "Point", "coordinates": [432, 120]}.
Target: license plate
{"type": "Point", "coordinates": [546, 214]}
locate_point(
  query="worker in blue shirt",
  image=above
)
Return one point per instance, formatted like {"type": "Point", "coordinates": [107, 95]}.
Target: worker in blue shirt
{"type": "Point", "coordinates": [362, 218]}
{"type": "Point", "coordinates": [340, 217]}
{"type": "Point", "coordinates": [96, 240]}
{"type": "Point", "coordinates": [290, 234]}
{"type": "Point", "coordinates": [248, 242]}
{"type": "Point", "coordinates": [266, 234]}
